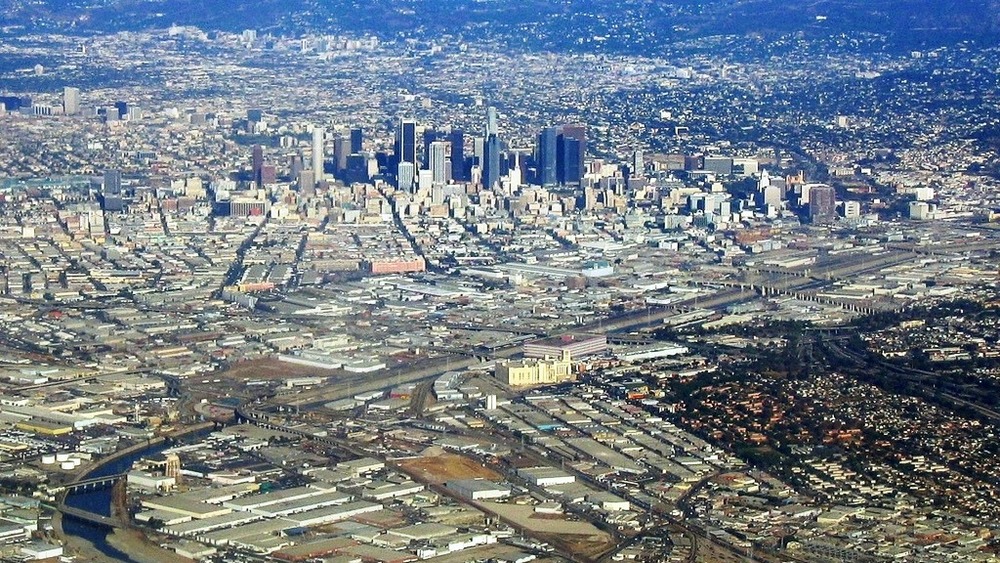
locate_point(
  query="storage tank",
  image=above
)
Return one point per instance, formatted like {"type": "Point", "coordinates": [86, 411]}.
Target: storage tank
{"type": "Point", "coordinates": [48, 459]}
{"type": "Point", "coordinates": [67, 466]}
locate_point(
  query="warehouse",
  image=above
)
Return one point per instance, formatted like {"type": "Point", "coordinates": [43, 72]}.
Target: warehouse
{"type": "Point", "coordinates": [478, 489]}
{"type": "Point", "coordinates": [11, 532]}
{"type": "Point", "coordinates": [196, 527]}
{"type": "Point", "coordinates": [578, 346]}
{"type": "Point", "coordinates": [256, 530]}
{"type": "Point", "coordinates": [334, 513]}
{"type": "Point", "coordinates": [424, 531]}
{"type": "Point", "coordinates": [304, 504]}
{"type": "Point", "coordinates": [379, 491]}
{"type": "Point", "coordinates": [219, 495]}
{"type": "Point", "coordinates": [44, 428]}
{"type": "Point", "coordinates": [650, 352]}
{"type": "Point", "coordinates": [363, 465]}
{"type": "Point", "coordinates": [371, 553]}
{"type": "Point", "coordinates": [40, 550]}
{"type": "Point", "coordinates": [545, 476]}
{"type": "Point", "coordinates": [255, 502]}
{"type": "Point", "coordinates": [608, 502]}
{"type": "Point", "coordinates": [149, 483]}
{"type": "Point", "coordinates": [167, 518]}
{"type": "Point", "coordinates": [329, 475]}
{"type": "Point", "coordinates": [262, 544]}
{"type": "Point", "coordinates": [186, 507]}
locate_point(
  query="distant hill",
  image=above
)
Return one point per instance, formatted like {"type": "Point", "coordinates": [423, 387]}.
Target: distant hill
{"type": "Point", "coordinates": [619, 25]}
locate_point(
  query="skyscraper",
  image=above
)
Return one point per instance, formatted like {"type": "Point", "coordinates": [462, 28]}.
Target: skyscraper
{"type": "Point", "coordinates": [357, 169]}
{"type": "Point", "coordinates": [430, 136]}
{"type": "Point", "coordinates": [770, 197]}
{"type": "Point", "coordinates": [341, 150]}
{"type": "Point", "coordinates": [295, 165]}
{"type": "Point", "coordinates": [317, 154]}
{"type": "Point", "coordinates": [258, 163]}
{"type": "Point", "coordinates": [638, 165]}
{"type": "Point", "coordinates": [491, 163]}
{"type": "Point", "coordinates": [406, 142]}
{"type": "Point", "coordinates": [307, 182]}
{"type": "Point", "coordinates": [71, 100]}
{"type": "Point", "coordinates": [457, 139]}
{"type": "Point", "coordinates": [479, 150]}
{"type": "Point", "coordinates": [112, 191]}
{"type": "Point", "coordinates": [405, 172]}
{"type": "Point", "coordinates": [822, 204]}
{"type": "Point", "coordinates": [491, 121]}
{"type": "Point", "coordinates": [569, 169]}
{"type": "Point", "coordinates": [577, 131]}
{"type": "Point", "coordinates": [268, 175]}
{"type": "Point", "coordinates": [491, 150]}
{"type": "Point", "coordinates": [438, 159]}
{"type": "Point", "coordinates": [357, 137]}
{"type": "Point", "coordinates": [112, 182]}
{"type": "Point", "coordinates": [547, 149]}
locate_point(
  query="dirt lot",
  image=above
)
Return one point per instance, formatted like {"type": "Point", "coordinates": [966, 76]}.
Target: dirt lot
{"type": "Point", "coordinates": [588, 549]}
{"type": "Point", "coordinates": [135, 544]}
{"type": "Point", "coordinates": [486, 553]}
{"type": "Point", "coordinates": [446, 467]}
{"type": "Point", "coordinates": [270, 368]}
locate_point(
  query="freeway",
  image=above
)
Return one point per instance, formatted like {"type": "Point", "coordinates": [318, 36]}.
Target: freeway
{"type": "Point", "coordinates": [364, 383]}
{"type": "Point", "coordinates": [62, 382]}
{"type": "Point", "coordinates": [925, 381]}
{"type": "Point", "coordinates": [648, 317]}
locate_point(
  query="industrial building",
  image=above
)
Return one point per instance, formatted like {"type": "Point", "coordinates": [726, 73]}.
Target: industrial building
{"type": "Point", "coordinates": [545, 476]}
{"type": "Point", "coordinates": [329, 514]}
{"type": "Point", "coordinates": [578, 345]}
{"type": "Point", "coordinates": [531, 371]}
{"type": "Point", "coordinates": [479, 489]}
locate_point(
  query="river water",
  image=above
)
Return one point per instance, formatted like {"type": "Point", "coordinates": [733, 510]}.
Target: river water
{"type": "Point", "coordinates": [99, 502]}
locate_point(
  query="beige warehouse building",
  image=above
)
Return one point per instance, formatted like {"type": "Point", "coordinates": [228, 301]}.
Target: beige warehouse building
{"type": "Point", "coordinates": [529, 372]}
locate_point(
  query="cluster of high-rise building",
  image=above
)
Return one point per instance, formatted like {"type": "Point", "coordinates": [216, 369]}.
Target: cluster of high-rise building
{"type": "Point", "coordinates": [424, 156]}
{"type": "Point", "coordinates": [436, 166]}
{"type": "Point", "coordinates": [71, 104]}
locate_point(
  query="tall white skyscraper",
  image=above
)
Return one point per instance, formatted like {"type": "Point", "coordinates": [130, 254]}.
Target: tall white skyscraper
{"type": "Point", "coordinates": [71, 100]}
{"type": "Point", "coordinates": [405, 172]}
{"type": "Point", "coordinates": [491, 121]}
{"type": "Point", "coordinates": [479, 149]}
{"type": "Point", "coordinates": [638, 165]}
{"type": "Point", "coordinates": [439, 161]}
{"type": "Point", "coordinates": [317, 156]}
{"type": "Point", "coordinates": [765, 180]}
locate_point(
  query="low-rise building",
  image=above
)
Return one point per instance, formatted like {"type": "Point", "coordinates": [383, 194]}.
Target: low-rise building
{"type": "Point", "coordinates": [479, 489]}
{"type": "Point", "coordinates": [545, 476]}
